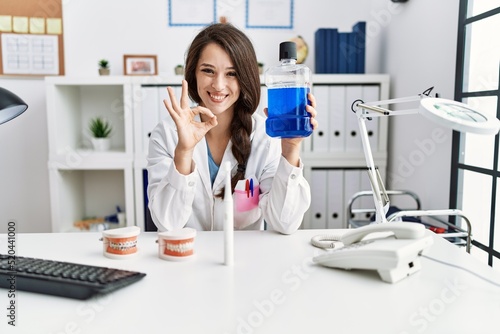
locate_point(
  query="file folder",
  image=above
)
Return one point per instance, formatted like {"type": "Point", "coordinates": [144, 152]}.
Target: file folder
{"type": "Point", "coordinates": [353, 141]}
{"type": "Point", "coordinates": [320, 136]}
{"type": "Point", "coordinates": [336, 124]}
{"type": "Point", "coordinates": [318, 198]}
{"type": "Point", "coordinates": [320, 51]}
{"type": "Point", "coordinates": [359, 32]}
{"type": "Point", "coordinates": [371, 93]}
{"type": "Point", "coordinates": [352, 184]}
{"type": "Point", "coordinates": [342, 51]}
{"type": "Point", "coordinates": [336, 204]}
{"type": "Point", "coordinates": [331, 51]}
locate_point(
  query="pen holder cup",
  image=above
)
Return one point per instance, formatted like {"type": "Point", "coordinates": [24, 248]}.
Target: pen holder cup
{"type": "Point", "coordinates": [177, 245]}
{"type": "Point", "coordinates": [120, 243]}
{"type": "Point", "coordinates": [245, 201]}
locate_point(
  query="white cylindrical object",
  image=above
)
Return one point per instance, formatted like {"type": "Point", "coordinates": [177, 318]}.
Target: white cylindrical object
{"type": "Point", "coordinates": [120, 243]}
{"type": "Point", "coordinates": [228, 219]}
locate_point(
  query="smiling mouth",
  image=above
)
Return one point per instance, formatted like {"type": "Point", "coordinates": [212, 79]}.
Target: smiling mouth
{"type": "Point", "coordinates": [217, 98]}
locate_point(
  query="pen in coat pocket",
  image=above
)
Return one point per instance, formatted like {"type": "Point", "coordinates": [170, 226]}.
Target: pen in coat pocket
{"type": "Point", "coordinates": [249, 187]}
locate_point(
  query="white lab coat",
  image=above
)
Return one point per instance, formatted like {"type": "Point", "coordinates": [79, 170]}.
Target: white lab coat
{"type": "Point", "coordinates": [178, 201]}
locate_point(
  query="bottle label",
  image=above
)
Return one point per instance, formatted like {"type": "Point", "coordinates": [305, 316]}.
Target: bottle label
{"type": "Point", "coordinates": [287, 115]}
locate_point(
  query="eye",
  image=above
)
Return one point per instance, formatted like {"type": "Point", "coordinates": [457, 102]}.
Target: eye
{"type": "Point", "coordinates": [207, 70]}
{"type": "Point", "coordinates": [231, 74]}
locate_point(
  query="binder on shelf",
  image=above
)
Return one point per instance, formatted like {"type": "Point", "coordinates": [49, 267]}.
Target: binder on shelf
{"type": "Point", "coordinates": [371, 93]}
{"type": "Point", "coordinates": [336, 122]}
{"type": "Point", "coordinates": [318, 199]}
{"type": "Point", "coordinates": [343, 52]}
{"type": "Point", "coordinates": [352, 184]}
{"type": "Point", "coordinates": [320, 50]}
{"type": "Point", "coordinates": [353, 141]}
{"type": "Point", "coordinates": [335, 194]}
{"type": "Point", "coordinates": [340, 52]}
{"type": "Point", "coordinates": [321, 135]}
{"type": "Point", "coordinates": [326, 54]}
{"type": "Point", "coordinates": [359, 45]}
{"type": "Point", "coordinates": [352, 54]}
{"type": "Point", "coordinates": [366, 202]}
{"type": "Point", "coordinates": [331, 51]}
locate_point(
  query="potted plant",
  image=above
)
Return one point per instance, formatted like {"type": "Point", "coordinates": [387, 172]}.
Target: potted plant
{"type": "Point", "coordinates": [100, 130]}
{"type": "Point", "coordinates": [179, 69]}
{"type": "Point", "coordinates": [103, 67]}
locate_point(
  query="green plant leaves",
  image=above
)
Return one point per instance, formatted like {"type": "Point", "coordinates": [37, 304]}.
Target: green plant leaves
{"type": "Point", "coordinates": [100, 127]}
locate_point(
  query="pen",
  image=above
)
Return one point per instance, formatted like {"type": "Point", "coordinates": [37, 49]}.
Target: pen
{"type": "Point", "coordinates": [247, 188]}
{"type": "Point", "coordinates": [251, 187]}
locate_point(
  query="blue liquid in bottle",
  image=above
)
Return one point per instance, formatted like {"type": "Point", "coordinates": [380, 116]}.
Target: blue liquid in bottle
{"type": "Point", "coordinates": [288, 117]}
{"type": "Point", "coordinates": [287, 87]}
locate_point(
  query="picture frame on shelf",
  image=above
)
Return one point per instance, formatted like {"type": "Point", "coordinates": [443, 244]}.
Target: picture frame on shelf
{"type": "Point", "coordinates": [140, 65]}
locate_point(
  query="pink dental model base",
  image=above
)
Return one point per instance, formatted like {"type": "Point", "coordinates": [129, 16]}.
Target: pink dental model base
{"type": "Point", "coordinates": [120, 243]}
{"type": "Point", "coordinates": [176, 245]}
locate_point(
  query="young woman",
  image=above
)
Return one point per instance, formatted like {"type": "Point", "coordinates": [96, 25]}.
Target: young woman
{"type": "Point", "coordinates": [188, 149]}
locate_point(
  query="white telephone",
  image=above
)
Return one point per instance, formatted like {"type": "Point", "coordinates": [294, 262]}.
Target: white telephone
{"type": "Point", "coordinates": [392, 249]}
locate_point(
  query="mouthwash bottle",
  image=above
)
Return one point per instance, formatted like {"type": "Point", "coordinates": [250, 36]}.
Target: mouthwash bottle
{"type": "Point", "coordinates": [287, 87]}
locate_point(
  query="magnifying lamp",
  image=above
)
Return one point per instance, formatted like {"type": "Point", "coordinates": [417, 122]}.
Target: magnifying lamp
{"type": "Point", "coordinates": [451, 114]}
{"type": "Point", "coordinates": [11, 105]}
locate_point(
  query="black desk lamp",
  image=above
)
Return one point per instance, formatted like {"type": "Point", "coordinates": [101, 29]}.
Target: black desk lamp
{"type": "Point", "coordinates": [11, 105]}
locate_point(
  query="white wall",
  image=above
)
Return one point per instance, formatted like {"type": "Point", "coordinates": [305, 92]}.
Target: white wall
{"type": "Point", "coordinates": [24, 182]}
{"type": "Point", "coordinates": [420, 52]}
{"type": "Point", "coordinates": [143, 29]}
{"type": "Point", "coordinates": [400, 40]}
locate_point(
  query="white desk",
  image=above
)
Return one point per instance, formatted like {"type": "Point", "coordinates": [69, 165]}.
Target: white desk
{"type": "Point", "coordinates": [272, 288]}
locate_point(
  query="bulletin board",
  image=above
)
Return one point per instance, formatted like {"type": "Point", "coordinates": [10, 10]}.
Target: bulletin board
{"type": "Point", "coordinates": [31, 37]}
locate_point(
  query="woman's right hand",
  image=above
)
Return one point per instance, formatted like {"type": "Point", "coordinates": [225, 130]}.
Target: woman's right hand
{"type": "Point", "coordinates": [190, 131]}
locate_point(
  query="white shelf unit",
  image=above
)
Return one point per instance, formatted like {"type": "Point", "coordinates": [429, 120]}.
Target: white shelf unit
{"type": "Point", "coordinates": [85, 183]}
{"type": "Point", "coordinates": [325, 153]}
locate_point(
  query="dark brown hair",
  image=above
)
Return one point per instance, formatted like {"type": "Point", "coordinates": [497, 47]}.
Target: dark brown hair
{"type": "Point", "coordinates": [240, 49]}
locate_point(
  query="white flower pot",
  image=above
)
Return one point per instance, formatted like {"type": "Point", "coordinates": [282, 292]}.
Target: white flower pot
{"type": "Point", "coordinates": [101, 144]}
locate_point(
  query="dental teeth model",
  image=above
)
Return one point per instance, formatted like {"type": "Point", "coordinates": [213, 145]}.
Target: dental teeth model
{"type": "Point", "coordinates": [176, 245]}
{"type": "Point", "coordinates": [120, 243]}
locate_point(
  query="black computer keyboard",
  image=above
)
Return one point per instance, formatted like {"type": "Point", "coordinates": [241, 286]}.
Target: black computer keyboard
{"type": "Point", "coordinates": [63, 279]}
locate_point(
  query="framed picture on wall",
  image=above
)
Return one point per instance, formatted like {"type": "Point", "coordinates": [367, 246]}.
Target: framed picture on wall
{"type": "Point", "coordinates": [140, 65]}
{"type": "Point", "coordinates": [192, 12]}
{"type": "Point", "coordinates": [265, 14]}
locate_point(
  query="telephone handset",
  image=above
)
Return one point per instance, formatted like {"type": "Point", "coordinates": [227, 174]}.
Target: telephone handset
{"type": "Point", "coordinates": [392, 249]}
{"type": "Point", "coordinates": [399, 229]}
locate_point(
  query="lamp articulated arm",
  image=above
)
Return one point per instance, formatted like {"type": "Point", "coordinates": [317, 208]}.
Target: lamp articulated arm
{"type": "Point", "coordinates": [365, 111]}
{"type": "Point", "coordinates": [452, 114]}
